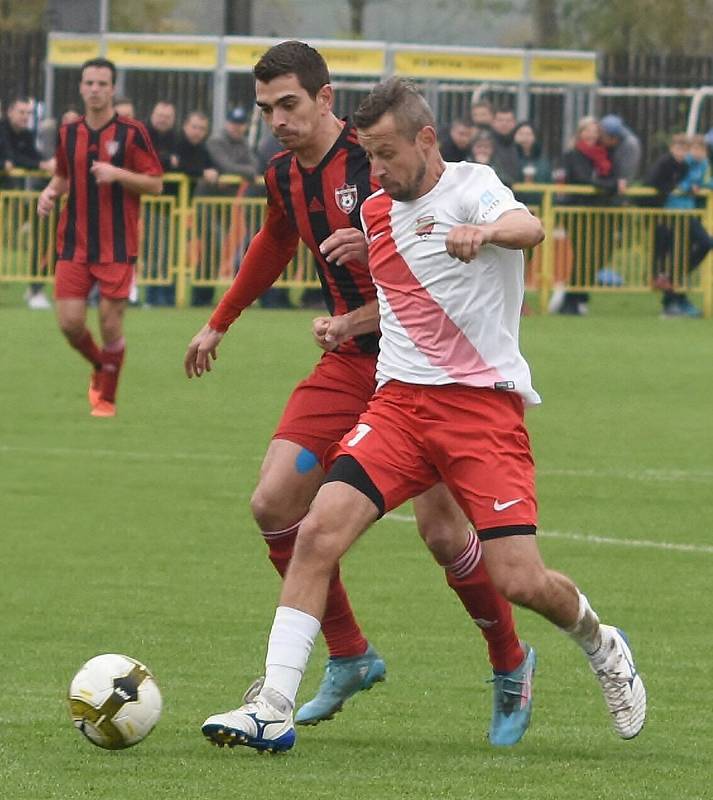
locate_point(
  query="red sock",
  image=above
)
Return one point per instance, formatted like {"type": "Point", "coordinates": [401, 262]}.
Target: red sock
{"type": "Point", "coordinates": [86, 345]}
{"type": "Point", "coordinates": [112, 357]}
{"type": "Point", "coordinates": [490, 611]}
{"type": "Point", "coordinates": [341, 631]}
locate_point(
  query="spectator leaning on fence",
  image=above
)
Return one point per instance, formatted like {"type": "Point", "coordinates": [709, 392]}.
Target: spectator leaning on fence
{"type": "Point", "coordinates": [624, 149]}
{"type": "Point", "coordinates": [21, 152]}
{"type": "Point", "coordinates": [587, 162]}
{"type": "Point", "coordinates": [678, 176]}
{"type": "Point", "coordinates": [194, 160]}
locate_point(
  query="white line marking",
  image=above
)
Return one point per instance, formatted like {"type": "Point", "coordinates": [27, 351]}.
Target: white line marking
{"type": "Point", "coordinates": [663, 475]}
{"type": "Point", "coordinates": [592, 539]}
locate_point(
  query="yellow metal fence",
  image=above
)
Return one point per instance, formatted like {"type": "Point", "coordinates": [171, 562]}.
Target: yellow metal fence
{"type": "Point", "coordinates": [198, 240]}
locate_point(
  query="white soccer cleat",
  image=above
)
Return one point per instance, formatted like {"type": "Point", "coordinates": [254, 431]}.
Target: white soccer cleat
{"type": "Point", "coordinates": [623, 688]}
{"type": "Point", "coordinates": [257, 724]}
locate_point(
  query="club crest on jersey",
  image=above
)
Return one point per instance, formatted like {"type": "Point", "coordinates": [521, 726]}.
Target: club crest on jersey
{"type": "Point", "coordinates": [424, 226]}
{"type": "Point", "coordinates": [346, 197]}
{"type": "Point", "coordinates": [112, 147]}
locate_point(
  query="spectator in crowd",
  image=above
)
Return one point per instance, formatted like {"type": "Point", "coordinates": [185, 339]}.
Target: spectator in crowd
{"type": "Point", "coordinates": [481, 114]}
{"type": "Point", "coordinates": [456, 140]}
{"type": "Point", "coordinates": [47, 131]}
{"type": "Point", "coordinates": [21, 152]}
{"type": "Point", "coordinates": [483, 152]}
{"type": "Point", "coordinates": [533, 166]}
{"type": "Point", "coordinates": [678, 176]}
{"type": "Point", "coordinates": [505, 150]}
{"type": "Point", "coordinates": [229, 149]}
{"type": "Point", "coordinates": [624, 149]}
{"type": "Point", "coordinates": [586, 163]}
{"type": "Point", "coordinates": [161, 127]}
{"type": "Point", "coordinates": [194, 160]}
{"type": "Point", "coordinates": [124, 107]}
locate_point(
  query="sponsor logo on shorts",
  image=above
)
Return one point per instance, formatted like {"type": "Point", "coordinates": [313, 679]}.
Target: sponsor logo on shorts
{"type": "Point", "coordinates": [497, 506]}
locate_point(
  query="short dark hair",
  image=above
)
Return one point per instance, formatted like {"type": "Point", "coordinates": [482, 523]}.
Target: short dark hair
{"type": "Point", "coordinates": [504, 111]}
{"type": "Point", "coordinates": [295, 58]}
{"type": "Point", "coordinates": [101, 63]}
{"type": "Point", "coordinates": [20, 98]}
{"type": "Point", "coordinates": [399, 97]}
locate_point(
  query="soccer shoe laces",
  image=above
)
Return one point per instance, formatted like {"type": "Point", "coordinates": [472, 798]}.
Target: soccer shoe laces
{"type": "Point", "coordinates": [616, 683]}
{"type": "Point", "coordinates": [509, 690]}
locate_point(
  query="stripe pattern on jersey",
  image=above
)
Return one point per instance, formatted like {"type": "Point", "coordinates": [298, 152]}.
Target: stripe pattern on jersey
{"type": "Point", "coordinates": [99, 224]}
{"type": "Point", "coordinates": [426, 323]}
{"type": "Point", "coordinates": [308, 198]}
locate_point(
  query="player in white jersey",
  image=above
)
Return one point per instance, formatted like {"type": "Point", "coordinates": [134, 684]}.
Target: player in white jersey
{"type": "Point", "coordinates": [443, 244]}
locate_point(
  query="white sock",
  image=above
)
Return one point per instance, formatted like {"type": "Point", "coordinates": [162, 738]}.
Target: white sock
{"type": "Point", "coordinates": [586, 631]}
{"type": "Point", "coordinates": [288, 650]}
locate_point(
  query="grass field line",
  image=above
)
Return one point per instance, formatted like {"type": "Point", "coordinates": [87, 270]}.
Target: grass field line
{"type": "Point", "coordinates": [663, 475]}
{"type": "Point", "coordinates": [588, 538]}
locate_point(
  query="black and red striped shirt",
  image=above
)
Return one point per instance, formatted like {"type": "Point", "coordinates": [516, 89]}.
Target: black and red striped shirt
{"type": "Point", "coordinates": [309, 204]}
{"type": "Point", "coordinates": [99, 223]}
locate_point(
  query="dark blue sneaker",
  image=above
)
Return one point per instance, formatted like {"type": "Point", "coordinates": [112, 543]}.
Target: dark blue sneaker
{"type": "Point", "coordinates": [343, 678]}
{"type": "Point", "coordinates": [512, 701]}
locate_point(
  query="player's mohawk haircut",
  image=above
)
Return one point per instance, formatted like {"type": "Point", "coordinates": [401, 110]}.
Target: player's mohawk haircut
{"type": "Point", "coordinates": [296, 58]}
{"type": "Point", "coordinates": [399, 97]}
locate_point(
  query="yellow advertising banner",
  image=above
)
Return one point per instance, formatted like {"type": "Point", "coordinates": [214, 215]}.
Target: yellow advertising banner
{"type": "Point", "coordinates": [340, 60]}
{"type": "Point", "coordinates": [553, 69]}
{"type": "Point", "coordinates": [166, 55]}
{"type": "Point", "coordinates": [462, 66]}
{"type": "Point", "coordinates": [72, 52]}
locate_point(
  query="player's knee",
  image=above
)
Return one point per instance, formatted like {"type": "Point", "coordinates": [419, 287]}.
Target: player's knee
{"type": "Point", "coordinates": [73, 329]}
{"type": "Point", "coordinates": [444, 542]}
{"type": "Point", "coordinates": [522, 586]}
{"type": "Point", "coordinates": [274, 511]}
{"type": "Point", "coordinates": [317, 544]}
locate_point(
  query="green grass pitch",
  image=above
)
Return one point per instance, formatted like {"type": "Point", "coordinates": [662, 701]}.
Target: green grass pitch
{"type": "Point", "coordinates": [133, 535]}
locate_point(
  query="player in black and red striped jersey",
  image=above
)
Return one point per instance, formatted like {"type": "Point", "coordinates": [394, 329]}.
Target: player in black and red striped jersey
{"type": "Point", "coordinates": [105, 163]}
{"type": "Point", "coordinates": [316, 187]}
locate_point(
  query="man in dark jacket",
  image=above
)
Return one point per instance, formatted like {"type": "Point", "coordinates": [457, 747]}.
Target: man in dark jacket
{"type": "Point", "coordinates": [194, 160]}
{"type": "Point", "coordinates": [21, 152]}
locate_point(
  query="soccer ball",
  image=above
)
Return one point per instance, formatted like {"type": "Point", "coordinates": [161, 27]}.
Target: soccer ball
{"type": "Point", "coordinates": [114, 701]}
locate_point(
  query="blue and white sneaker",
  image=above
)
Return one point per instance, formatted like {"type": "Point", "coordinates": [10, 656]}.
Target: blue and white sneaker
{"type": "Point", "coordinates": [257, 724]}
{"type": "Point", "coordinates": [624, 691]}
{"type": "Point", "coordinates": [343, 678]}
{"type": "Point", "coordinates": [512, 701]}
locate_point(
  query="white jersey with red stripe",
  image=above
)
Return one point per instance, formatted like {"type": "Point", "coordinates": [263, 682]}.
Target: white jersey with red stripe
{"type": "Point", "coordinates": [444, 321]}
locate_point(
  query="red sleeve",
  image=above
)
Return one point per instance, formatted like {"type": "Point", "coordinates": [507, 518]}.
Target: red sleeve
{"type": "Point", "coordinates": [142, 156]}
{"type": "Point", "coordinates": [266, 257]}
{"type": "Point", "coordinates": [61, 168]}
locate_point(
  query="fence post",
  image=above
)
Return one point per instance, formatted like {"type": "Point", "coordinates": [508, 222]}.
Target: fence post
{"type": "Point", "coordinates": [182, 255]}
{"type": "Point", "coordinates": [707, 266]}
{"type": "Point", "coordinates": [548, 249]}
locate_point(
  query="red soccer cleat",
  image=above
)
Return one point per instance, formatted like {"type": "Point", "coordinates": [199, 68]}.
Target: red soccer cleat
{"type": "Point", "coordinates": [94, 392]}
{"type": "Point", "coordinates": [104, 409]}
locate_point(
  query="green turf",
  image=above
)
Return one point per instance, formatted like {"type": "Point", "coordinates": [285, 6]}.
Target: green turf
{"type": "Point", "coordinates": [133, 535]}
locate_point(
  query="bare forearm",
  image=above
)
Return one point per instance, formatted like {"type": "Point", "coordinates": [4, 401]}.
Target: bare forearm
{"type": "Point", "coordinates": [363, 320]}
{"type": "Point", "coordinates": [58, 184]}
{"type": "Point", "coordinates": [515, 230]}
{"type": "Point", "coordinates": [139, 183]}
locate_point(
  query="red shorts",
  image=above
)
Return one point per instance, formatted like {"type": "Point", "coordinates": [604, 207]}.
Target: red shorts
{"type": "Point", "coordinates": [474, 440]}
{"type": "Point", "coordinates": [73, 280]}
{"type": "Point", "coordinates": [328, 403]}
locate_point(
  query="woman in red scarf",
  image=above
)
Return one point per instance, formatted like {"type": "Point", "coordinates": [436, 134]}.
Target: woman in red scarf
{"type": "Point", "coordinates": [586, 163]}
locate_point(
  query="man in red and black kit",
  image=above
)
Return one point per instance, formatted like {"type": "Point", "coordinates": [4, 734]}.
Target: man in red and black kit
{"type": "Point", "coordinates": [104, 163]}
{"type": "Point", "coordinates": [316, 188]}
